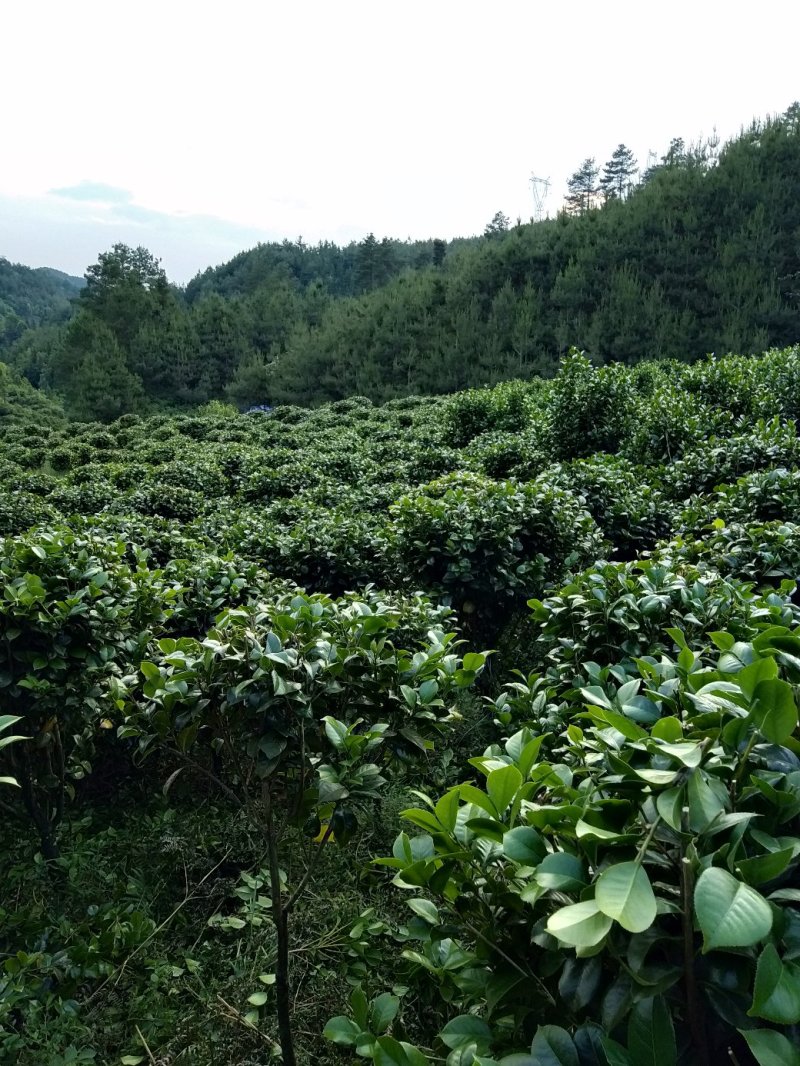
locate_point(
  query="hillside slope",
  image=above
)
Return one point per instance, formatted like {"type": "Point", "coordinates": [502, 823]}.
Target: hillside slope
{"type": "Point", "coordinates": [31, 297]}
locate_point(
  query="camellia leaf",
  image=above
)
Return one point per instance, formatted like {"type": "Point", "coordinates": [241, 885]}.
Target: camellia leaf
{"type": "Point", "coordinates": [503, 785]}
{"type": "Point", "coordinates": [524, 845]}
{"type": "Point", "coordinates": [670, 805]}
{"type": "Point", "coordinates": [770, 1048]}
{"type": "Point", "coordinates": [651, 1037]}
{"type": "Point", "coordinates": [561, 872]}
{"type": "Point", "coordinates": [464, 1030]}
{"type": "Point", "coordinates": [616, 1054]}
{"type": "Point", "coordinates": [579, 924]}
{"type": "Point", "coordinates": [705, 802]}
{"type": "Point", "coordinates": [390, 1052]}
{"type": "Point", "coordinates": [762, 868]}
{"type": "Point", "coordinates": [383, 1011]}
{"type": "Point", "coordinates": [342, 1031]}
{"type": "Point", "coordinates": [425, 909]}
{"type": "Point", "coordinates": [624, 893]}
{"type": "Point", "coordinates": [553, 1046]}
{"type": "Point", "coordinates": [776, 995]}
{"type": "Point", "coordinates": [730, 913]}
{"type": "Point", "coordinates": [774, 711]}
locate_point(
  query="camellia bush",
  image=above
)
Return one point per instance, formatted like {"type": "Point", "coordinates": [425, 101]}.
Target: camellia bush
{"type": "Point", "coordinates": [622, 888]}
{"type": "Point", "coordinates": [295, 709]}
{"type": "Point", "coordinates": [234, 647]}
{"type": "Point", "coordinates": [76, 613]}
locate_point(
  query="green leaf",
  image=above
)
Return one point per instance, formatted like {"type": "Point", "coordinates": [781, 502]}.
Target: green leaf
{"type": "Point", "coordinates": [670, 806]}
{"type": "Point", "coordinates": [581, 925]}
{"type": "Point", "coordinates": [762, 868]}
{"type": "Point", "coordinates": [391, 1052]}
{"type": "Point", "coordinates": [529, 755]}
{"type": "Point", "coordinates": [471, 794]}
{"type": "Point", "coordinates": [616, 1054]}
{"type": "Point", "coordinates": [668, 729]}
{"type": "Point", "coordinates": [382, 1012]}
{"type": "Point", "coordinates": [336, 732]}
{"type": "Point", "coordinates": [624, 893]}
{"type": "Point", "coordinates": [464, 1030]}
{"type": "Point", "coordinates": [258, 999]}
{"type": "Point", "coordinates": [553, 1046]}
{"type": "Point", "coordinates": [524, 845]}
{"type": "Point", "coordinates": [770, 1048]}
{"type": "Point", "coordinates": [561, 872]}
{"type": "Point", "coordinates": [503, 785]}
{"type": "Point", "coordinates": [342, 1031]}
{"type": "Point", "coordinates": [423, 819]}
{"type": "Point", "coordinates": [425, 909]}
{"type": "Point", "coordinates": [776, 995]}
{"type": "Point", "coordinates": [473, 661]}
{"type": "Point", "coordinates": [428, 691]}
{"type": "Point", "coordinates": [773, 711]}
{"type": "Point", "coordinates": [651, 1037]}
{"type": "Point", "coordinates": [730, 914]}
{"type": "Point", "coordinates": [705, 801]}
{"type": "Point", "coordinates": [360, 1007]}
{"type": "Point", "coordinates": [486, 829]}
{"type": "Point", "coordinates": [447, 809]}
{"type": "Point", "coordinates": [150, 671]}
{"type": "Point", "coordinates": [748, 679]}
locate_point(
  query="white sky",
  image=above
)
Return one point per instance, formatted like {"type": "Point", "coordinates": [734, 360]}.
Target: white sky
{"type": "Point", "coordinates": [218, 124]}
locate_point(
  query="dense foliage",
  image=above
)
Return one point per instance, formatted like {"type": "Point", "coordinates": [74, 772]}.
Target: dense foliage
{"type": "Point", "coordinates": [30, 297]}
{"type": "Point", "coordinates": [699, 256]}
{"type": "Point", "coordinates": [241, 653]}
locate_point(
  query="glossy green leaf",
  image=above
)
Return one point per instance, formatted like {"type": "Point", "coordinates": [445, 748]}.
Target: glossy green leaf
{"type": "Point", "coordinates": [706, 800]}
{"type": "Point", "coordinates": [770, 1048]}
{"type": "Point", "coordinates": [553, 1046]}
{"type": "Point", "coordinates": [759, 869]}
{"type": "Point", "coordinates": [776, 995]}
{"type": "Point", "coordinates": [503, 785]}
{"type": "Point", "coordinates": [730, 913]}
{"type": "Point", "coordinates": [464, 1030]}
{"type": "Point", "coordinates": [425, 909]}
{"type": "Point", "coordinates": [579, 924]}
{"type": "Point", "coordinates": [382, 1012]}
{"type": "Point", "coordinates": [524, 845]}
{"type": "Point", "coordinates": [774, 711]}
{"type": "Point", "coordinates": [624, 893]}
{"type": "Point", "coordinates": [561, 872]}
{"type": "Point", "coordinates": [342, 1031]}
{"type": "Point", "coordinates": [651, 1036]}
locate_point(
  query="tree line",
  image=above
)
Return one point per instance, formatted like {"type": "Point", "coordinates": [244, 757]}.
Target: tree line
{"type": "Point", "coordinates": [699, 255]}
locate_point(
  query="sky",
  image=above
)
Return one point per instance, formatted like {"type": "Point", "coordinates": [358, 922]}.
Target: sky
{"type": "Point", "coordinates": [199, 129]}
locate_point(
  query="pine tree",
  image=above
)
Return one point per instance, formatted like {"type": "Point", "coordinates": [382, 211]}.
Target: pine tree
{"type": "Point", "coordinates": [582, 188]}
{"type": "Point", "coordinates": [618, 173]}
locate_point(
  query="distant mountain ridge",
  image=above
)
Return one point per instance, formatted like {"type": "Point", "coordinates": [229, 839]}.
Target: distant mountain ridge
{"type": "Point", "coordinates": [32, 296]}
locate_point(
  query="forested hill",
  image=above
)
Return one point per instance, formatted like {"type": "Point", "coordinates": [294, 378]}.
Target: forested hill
{"type": "Point", "coordinates": [30, 297]}
{"type": "Point", "coordinates": [701, 255]}
{"type": "Point", "coordinates": [350, 270]}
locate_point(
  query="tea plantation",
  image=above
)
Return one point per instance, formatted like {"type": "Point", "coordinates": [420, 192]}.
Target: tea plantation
{"type": "Point", "coordinates": [455, 730]}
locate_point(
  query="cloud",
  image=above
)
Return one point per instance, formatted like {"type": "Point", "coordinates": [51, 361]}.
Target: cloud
{"type": "Point", "coordinates": [69, 228]}
{"type": "Point", "coordinates": [94, 192]}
